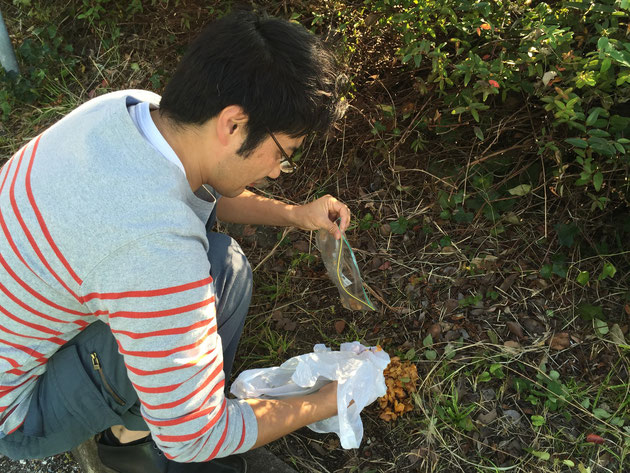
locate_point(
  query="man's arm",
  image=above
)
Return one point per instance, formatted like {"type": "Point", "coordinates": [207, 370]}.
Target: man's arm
{"type": "Point", "coordinates": [279, 417]}
{"type": "Point", "coordinates": [250, 208]}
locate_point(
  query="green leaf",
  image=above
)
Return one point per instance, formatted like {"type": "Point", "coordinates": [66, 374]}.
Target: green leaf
{"type": "Point", "coordinates": [496, 370]}
{"type": "Point", "coordinates": [568, 463]}
{"type": "Point", "coordinates": [590, 312]}
{"type": "Point", "coordinates": [618, 421]}
{"type": "Point", "coordinates": [583, 278]}
{"type": "Point", "coordinates": [601, 413]}
{"type": "Point", "coordinates": [577, 142]}
{"type": "Point", "coordinates": [542, 455]}
{"type": "Point", "coordinates": [537, 421]}
{"type": "Point", "coordinates": [430, 355]}
{"type": "Point", "coordinates": [617, 336]}
{"type": "Point", "coordinates": [601, 327]}
{"type": "Point", "coordinates": [592, 117]}
{"type": "Point", "coordinates": [566, 233]}
{"type": "Point", "coordinates": [546, 271]}
{"type": "Point", "coordinates": [399, 226]}
{"type": "Point", "coordinates": [428, 341]}
{"type": "Point", "coordinates": [598, 133]}
{"type": "Point", "coordinates": [449, 351]}
{"type": "Point", "coordinates": [484, 377]}
{"type": "Point", "coordinates": [520, 190]}
{"type": "Point", "coordinates": [463, 217]}
{"type": "Point", "coordinates": [410, 355]}
{"type": "Point", "coordinates": [598, 180]}
{"type": "Point", "coordinates": [606, 63]}
{"type": "Point", "coordinates": [607, 271]}
{"type": "Point", "coordinates": [620, 148]}
{"type": "Point", "coordinates": [583, 469]}
{"type": "Point", "coordinates": [478, 133]}
{"type": "Point", "coordinates": [389, 109]}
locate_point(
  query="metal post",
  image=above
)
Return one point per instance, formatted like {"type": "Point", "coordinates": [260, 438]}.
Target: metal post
{"type": "Point", "coordinates": [7, 55]}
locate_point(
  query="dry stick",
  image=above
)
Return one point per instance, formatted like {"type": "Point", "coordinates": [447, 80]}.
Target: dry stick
{"type": "Point", "coordinates": [429, 174]}
{"type": "Point", "coordinates": [496, 153]}
{"type": "Point", "coordinates": [273, 250]}
{"type": "Point", "coordinates": [542, 162]}
{"type": "Point", "coordinates": [380, 299]}
{"type": "Point", "coordinates": [343, 147]}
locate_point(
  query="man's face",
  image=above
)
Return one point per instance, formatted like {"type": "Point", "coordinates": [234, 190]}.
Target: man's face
{"type": "Point", "coordinates": [236, 173]}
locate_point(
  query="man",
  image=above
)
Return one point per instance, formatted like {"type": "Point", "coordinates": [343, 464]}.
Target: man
{"type": "Point", "coordinates": [120, 311]}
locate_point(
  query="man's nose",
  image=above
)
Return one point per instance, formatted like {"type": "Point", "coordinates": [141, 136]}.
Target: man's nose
{"type": "Point", "coordinates": [275, 173]}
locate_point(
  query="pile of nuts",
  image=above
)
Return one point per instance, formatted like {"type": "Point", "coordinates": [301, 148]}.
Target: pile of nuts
{"type": "Point", "coordinates": [401, 379]}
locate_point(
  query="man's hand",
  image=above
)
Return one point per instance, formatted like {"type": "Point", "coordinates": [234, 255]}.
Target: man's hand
{"type": "Point", "coordinates": [322, 213]}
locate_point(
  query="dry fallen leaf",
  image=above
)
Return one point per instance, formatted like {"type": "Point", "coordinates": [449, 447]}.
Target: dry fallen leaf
{"type": "Point", "coordinates": [340, 325]}
{"type": "Point", "coordinates": [560, 341]}
{"type": "Point", "coordinates": [505, 285]}
{"type": "Point", "coordinates": [302, 246]}
{"type": "Point", "coordinates": [515, 328]}
{"type": "Point", "coordinates": [594, 438]}
{"type": "Point", "coordinates": [435, 330]}
{"type": "Point", "coordinates": [249, 230]}
{"type": "Point", "coordinates": [384, 266]}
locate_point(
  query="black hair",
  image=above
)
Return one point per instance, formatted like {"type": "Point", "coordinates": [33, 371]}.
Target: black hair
{"type": "Point", "coordinates": [280, 74]}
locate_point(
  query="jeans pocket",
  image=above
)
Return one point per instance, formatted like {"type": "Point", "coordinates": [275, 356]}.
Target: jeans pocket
{"type": "Point", "coordinates": [74, 393]}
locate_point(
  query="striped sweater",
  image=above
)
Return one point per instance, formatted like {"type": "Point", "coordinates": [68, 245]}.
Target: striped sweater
{"type": "Point", "coordinates": [96, 225]}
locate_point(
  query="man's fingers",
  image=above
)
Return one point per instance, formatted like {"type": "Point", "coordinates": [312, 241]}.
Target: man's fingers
{"type": "Point", "coordinates": [345, 217]}
{"type": "Point", "coordinates": [333, 230]}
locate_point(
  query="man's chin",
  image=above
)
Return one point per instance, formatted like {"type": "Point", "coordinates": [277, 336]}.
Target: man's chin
{"type": "Point", "coordinates": [234, 193]}
{"type": "Point", "coordinates": [260, 183]}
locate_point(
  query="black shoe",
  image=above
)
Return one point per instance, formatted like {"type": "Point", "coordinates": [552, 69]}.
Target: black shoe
{"type": "Point", "coordinates": [146, 457]}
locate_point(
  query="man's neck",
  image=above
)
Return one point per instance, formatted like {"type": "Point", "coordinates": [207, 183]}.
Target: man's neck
{"type": "Point", "coordinates": [181, 141]}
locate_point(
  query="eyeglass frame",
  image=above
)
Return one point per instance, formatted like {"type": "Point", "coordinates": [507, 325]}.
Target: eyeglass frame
{"type": "Point", "coordinates": [286, 159]}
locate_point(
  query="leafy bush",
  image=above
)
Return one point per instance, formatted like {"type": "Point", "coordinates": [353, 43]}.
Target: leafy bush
{"type": "Point", "coordinates": [566, 64]}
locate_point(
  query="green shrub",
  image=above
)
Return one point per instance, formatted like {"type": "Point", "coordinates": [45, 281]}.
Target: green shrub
{"type": "Point", "coordinates": [566, 64]}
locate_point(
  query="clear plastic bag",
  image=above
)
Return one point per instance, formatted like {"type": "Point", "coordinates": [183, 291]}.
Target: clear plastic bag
{"type": "Point", "coordinates": [357, 369]}
{"type": "Point", "coordinates": [342, 269]}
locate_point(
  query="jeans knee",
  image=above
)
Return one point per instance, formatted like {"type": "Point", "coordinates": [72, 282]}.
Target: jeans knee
{"type": "Point", "coordinates": [230, 269]}
{"type": "Point", "coordinates": [243, 275]}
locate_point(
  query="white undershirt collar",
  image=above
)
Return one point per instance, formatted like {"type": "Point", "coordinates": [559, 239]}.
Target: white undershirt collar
{"type": "Point", "coordinates": [141, 117]}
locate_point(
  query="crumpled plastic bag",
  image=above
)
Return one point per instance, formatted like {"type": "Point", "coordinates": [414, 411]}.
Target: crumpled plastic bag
{"type": "Point", "coordinates": [357, 369]}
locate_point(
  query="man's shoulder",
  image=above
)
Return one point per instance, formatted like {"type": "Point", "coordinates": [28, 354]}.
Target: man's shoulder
{"type": "Point", "coordinates": [126, 96]}
{"type": "Point", "coordinates": [108, 105]}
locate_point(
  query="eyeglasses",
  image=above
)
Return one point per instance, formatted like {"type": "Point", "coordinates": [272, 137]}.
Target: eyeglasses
{"type": "Point", "coordinates": [287, 165]}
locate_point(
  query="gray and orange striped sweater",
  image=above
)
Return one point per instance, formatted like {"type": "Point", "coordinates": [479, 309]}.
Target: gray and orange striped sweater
{"type": "Point", "coordinates": [96, 225]}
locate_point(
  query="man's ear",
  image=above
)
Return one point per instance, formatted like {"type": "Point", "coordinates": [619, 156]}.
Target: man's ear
{"type": "Point", "coordinates": [231, 124]}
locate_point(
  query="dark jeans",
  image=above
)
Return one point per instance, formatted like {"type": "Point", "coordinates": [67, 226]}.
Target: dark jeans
{"type": "Point", "coordinates": [70, 403]}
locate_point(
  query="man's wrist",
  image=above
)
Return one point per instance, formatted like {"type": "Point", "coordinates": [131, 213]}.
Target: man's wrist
{"type": "Point", "coordinates": [293, 215]}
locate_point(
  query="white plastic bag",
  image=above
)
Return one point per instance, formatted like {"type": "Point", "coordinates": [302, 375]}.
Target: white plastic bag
{"type": "Point", "coordinates": [357, 369]}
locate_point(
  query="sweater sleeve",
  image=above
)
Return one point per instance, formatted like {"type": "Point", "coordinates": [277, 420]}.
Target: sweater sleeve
{"type": "Point", "coordinates": [158, 298]}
